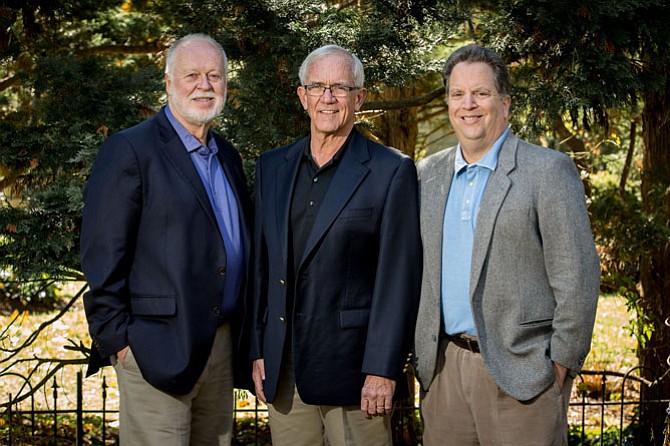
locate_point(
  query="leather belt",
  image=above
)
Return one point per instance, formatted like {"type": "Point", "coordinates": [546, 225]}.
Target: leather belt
{"type": "Point", "coordinates": [464, 342]}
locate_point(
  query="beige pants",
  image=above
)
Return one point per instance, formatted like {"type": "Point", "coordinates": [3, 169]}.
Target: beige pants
{"type": "Point", "coordinates": [204, 417]}
{"type": "Point", "coordinates": [294, 423]}
{"type": "Point", "coordinates": [465, 407]}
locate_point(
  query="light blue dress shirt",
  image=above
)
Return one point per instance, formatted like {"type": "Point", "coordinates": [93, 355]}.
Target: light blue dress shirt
{"type": "Point", "coordinates": [460, 218]}
{"type": "Point", "coordinates": [223, 201]}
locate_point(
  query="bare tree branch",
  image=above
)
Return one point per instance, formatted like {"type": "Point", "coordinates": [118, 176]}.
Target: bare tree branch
{"type": "Point", "coordinates": [404, 103]}
{"type": "Point", "coordinates": [59, 364]}
{"type": "Point", "coordinates": [123, 49]}
{"type": "Point", "coordinates": [34, 335]}
{"type": "Point", "coordinates": [9, 82]}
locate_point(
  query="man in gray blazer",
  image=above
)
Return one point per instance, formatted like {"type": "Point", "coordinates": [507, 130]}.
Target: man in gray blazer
{"type": "Point", "coordinates": [510, 273]}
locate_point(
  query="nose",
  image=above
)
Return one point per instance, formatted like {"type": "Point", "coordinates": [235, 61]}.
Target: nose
{"type": "Point", "coordinates": [329, 92]}
{"type": "Point", "coordinates": [204, 82]}
{"type": "Point", "coordinates": [469, 100]}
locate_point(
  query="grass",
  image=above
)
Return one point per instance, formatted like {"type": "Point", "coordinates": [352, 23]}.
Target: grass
{"type": "Point", "coordinates": [613, 346]}
{"type": "Point", "coordinates": [613, 349]}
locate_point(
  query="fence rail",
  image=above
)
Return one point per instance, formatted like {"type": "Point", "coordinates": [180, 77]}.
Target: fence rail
{"type": "Point", "coordinates": [602, 401]}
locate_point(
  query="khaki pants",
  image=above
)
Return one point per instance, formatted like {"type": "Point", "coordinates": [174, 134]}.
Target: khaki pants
{"type": "Point", "coordinates": [204, 417]}
{"type": "Point", "coordinates": [294, 423]}
{"type": "Point", "coordinates": [465, 407]}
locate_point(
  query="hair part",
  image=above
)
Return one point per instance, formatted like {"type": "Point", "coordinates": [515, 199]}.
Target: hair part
{"type": "Point", "coordinates": [196, 37]}
{"type": "Point", "coordinates": [357, 70]}
{"type": "Point", "coordinates": [475, 53]}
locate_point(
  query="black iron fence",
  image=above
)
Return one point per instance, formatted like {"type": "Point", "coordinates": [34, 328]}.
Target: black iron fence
{"type": "Point", "coordinates": [604, 410]}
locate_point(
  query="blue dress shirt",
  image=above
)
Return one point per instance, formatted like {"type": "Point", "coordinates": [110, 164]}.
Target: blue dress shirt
{"type": "Point", "coordinates": [223, 201]}
{"type": "Point", "coordinates": [460, 218]}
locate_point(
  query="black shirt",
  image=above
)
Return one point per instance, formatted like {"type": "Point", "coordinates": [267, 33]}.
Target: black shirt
{"type": "Point", "coordinates": [312, 183]}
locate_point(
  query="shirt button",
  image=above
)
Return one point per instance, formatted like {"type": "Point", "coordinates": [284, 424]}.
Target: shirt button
{"type": "Point", "coordinates": [282, 319]}
{"type": "Point", "coordinates": [316, 179]}
{"type": "Point", "coordinates": [282, 282]}
{"type": "Point", "coordinates": [221, 271]}
{"type": "Point", "coordinates": [471, 183]}
{"type": "Point", "coordinates": [311, 202]}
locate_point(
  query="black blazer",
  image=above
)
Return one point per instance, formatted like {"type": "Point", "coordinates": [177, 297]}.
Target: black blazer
{"type": "Point", "coordinates": [153, 256]}
{"type": "Point", "coordinates": [357, 285]}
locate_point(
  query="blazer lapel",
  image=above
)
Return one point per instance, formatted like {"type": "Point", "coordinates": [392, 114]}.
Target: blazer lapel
{"type": "Point", "coordinates": [435, 182]}
{"type": "Point", "coordinates": [285, 180]}
{"type": "Point", "coordinates": [350, 173]}
{"type": "Point", "coordinates": [494, 196]}
{"type": "Point", "coordinates": [174, 151]}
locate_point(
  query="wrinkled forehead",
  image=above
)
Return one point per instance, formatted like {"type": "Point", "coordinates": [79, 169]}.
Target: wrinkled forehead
{"type": "Point", "coordinates": [199, 54]}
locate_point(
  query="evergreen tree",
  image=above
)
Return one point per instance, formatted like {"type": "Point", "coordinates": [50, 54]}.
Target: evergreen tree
{"type": "Point", "coordinates": [580, 65]}
{"type": "Point", "coordinates": [74, 71]}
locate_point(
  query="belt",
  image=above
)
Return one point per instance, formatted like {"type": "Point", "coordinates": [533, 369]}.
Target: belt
{"type": "Point", "coordinates": [463, 342]}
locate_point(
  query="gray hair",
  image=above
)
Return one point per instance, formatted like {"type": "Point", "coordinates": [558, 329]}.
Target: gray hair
{"type": "Point", "coordinates": [476, 53]}
{"type": "Point", "coordinates": [169, 59]}
{"type": "Point", "coordinates": [327, 50]}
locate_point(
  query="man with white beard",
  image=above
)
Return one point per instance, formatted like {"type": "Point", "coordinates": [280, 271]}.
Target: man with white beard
{"type": "Point", "coordinates": [165, 246]}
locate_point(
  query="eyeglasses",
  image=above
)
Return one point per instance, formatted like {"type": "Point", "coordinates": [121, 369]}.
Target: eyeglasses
{"type": "Point", "coordinates": [477, 95]}
{"type": "Point", "coordinates": [337, 90]}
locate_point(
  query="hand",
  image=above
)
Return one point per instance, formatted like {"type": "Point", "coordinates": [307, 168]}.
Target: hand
{"type": "Point", "coordinates": [561, 374]}
{"type": "Point", "coordinates": [377, 396]}
{"type": "Point", "coordinates": [121, 354]}
{"type": "Point", "coordinates": [258, 375]}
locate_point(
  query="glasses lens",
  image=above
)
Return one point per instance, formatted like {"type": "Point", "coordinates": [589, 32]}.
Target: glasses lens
{"type": "Point", "coordinates": [338, 91]}
{"type": "Point", "coordinates": [315, 90]}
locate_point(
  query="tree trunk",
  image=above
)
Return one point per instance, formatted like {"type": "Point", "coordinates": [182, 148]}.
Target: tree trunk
{"type": "Point", "coordinates": [398, 128]}
{"type": "Point", "coordinates": [655, 264]}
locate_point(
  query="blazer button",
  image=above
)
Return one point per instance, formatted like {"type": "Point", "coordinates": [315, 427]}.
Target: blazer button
{"type": "Point", "coordinates": [221, 271]}
{"type": "Point", "coordinates": [216, 309]}
{"type": "Point", "coordinates": [282, 319]}
{"type": "Point", "coordinates": [282, 282]}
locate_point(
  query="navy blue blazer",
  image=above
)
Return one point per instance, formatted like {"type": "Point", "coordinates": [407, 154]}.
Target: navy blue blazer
{"type": "Point", "coordinates": [153, 256]}
{"type": "Point", "coordinates": [357, 286]}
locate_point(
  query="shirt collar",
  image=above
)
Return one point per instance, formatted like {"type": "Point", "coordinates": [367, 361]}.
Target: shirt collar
{"type": "Point", "coordinates": [338, 155]}
{"type": "Point", "coordinates": [489, 161]}
{"type": "Point", "coordinates": [190, 142]}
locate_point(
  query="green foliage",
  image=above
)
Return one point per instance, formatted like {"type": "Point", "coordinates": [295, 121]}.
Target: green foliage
{"type": "Point", "coordinates": [569, 56]}
{"type": "Point", "coordinates": [18, 295]}
{"type": "Point", "coordinates": [625, 232]}
{"type": "Point", "coordinates": [78, 71]}
{"type": "Point", "coordinates": [594, 437]}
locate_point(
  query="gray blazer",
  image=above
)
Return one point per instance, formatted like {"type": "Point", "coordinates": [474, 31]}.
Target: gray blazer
{"type": "Point", "coordinates": [535, 274]}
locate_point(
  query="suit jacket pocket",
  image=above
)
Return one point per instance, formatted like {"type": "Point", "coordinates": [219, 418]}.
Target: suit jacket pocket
{"type": "Point", "coordinates": [355, 318]}
{"type": "Point", "coordinates": [537, 323]}
{"type": "Point", "coordinates": [357, 213]}
{"type": "Point", "coordinates": [153, 306]}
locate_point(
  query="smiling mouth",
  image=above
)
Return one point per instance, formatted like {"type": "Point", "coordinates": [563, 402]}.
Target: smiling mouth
{"type": "Point", "coordinates": [328, 112]}
{"type": "Point", "coordinates": [470, 119]}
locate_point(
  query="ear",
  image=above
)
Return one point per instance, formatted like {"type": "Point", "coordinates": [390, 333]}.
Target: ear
{"type": "Point", "coordinates": [168, 83]}
{"type": "Point", "coordinates": [302, 94]}
{"type": "Point", "coordinates": [507, 102]}
{"type": "Point", "coordinates": [361, 94]}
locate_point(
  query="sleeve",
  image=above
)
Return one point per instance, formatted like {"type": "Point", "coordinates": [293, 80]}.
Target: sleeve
{"type": "Point", "coordinates": [398, 278]}
{"type": "Point", "coordinates": [571, 262]}
{"type": "Point", "coordinates": [110, 219]}
{"type": "Point", "coordinates": [259, 271]}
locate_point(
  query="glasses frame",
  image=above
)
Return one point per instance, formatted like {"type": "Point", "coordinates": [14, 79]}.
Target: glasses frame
{"type": "Point", "coordinates": [345, 89]}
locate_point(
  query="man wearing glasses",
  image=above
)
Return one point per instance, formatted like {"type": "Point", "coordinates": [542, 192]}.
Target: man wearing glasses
{"type": "Point", "coordinates": [338, 269]}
